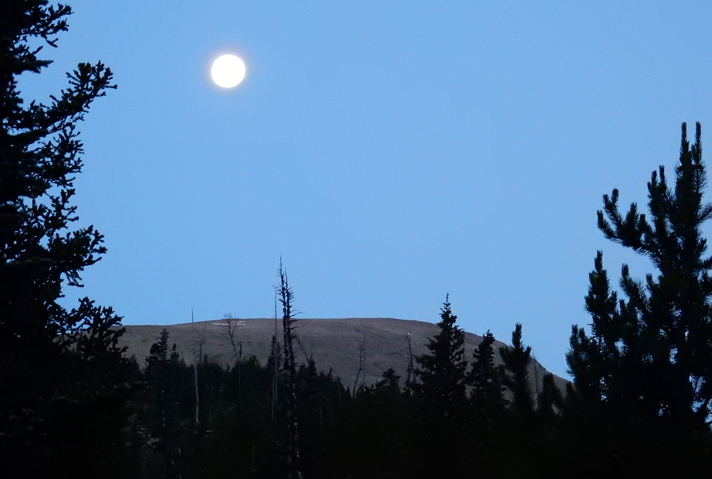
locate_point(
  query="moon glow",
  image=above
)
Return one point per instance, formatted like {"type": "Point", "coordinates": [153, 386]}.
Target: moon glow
{"type": "Point", "coordinates": [228, 71]}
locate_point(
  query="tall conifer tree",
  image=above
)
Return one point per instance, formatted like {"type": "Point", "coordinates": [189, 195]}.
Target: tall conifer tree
{"type": "Point", "coordinates": [515, 373]}
{"type": "Point", "coordinates": [649, 355]}
{"type": "Point", "coordinates": [57, 364]}
{"type": "Point", "coordinates": [441, 373]}
{"type": "Point", "coordinates": [485, 380]}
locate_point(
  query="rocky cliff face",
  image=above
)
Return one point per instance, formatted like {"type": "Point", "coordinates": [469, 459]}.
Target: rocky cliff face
{"type": "Point", "coordinates": [334, 344]}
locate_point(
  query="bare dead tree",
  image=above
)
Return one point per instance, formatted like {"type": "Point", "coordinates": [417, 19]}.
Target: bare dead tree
{"type": "Point", "coordinates": [361, 364]}
{"type": "Point", "coordinates": [537, 393]}
{"type": "Point", "coordinates": [409, 378]}
{"type": "Point", "coordinates": [198, 342]}
{"type": "Point", "coordinates": [307, 356]}
{"type": "Point", "coordinates": [286, 297]}
{"type": "Point", "coordinates": [275, 361]}
{"type": "Point", "coordinates": [231, 325]}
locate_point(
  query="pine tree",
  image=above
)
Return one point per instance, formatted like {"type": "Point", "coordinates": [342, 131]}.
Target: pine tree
{"type": "Point", "coordinates": [515, 373]}
{"type": "Point", "coordinates": [441, 373]}
{"type": "Point", "coordinates": [389, 384]}
{"type": "Point", "coordinates": [56, 364]}
{"type": "Point", "coordinates": [550, 400]}
{"type": "Point", "coordinates": [486, 393]}
{"type": "Point", "coordinates": [588, 355]}
{"type": "Point", "coordinates": [649, 355]}
{"type": "Point", "coordinates": [169, 401]}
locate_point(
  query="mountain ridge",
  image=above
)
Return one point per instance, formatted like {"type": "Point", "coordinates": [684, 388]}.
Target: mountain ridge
{"type": "Point", "coordinates": [334, 343]}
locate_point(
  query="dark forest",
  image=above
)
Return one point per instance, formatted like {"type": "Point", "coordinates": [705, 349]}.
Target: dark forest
{"type": "Point", "coordinates": [72, 404]}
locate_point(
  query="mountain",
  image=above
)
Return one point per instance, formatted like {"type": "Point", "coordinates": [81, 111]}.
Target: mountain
{"type": "Point", "coordinates": [335, 344]}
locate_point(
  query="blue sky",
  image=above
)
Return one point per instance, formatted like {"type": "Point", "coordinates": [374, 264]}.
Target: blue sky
{"type": "Point", "coordinates": [390, 152]}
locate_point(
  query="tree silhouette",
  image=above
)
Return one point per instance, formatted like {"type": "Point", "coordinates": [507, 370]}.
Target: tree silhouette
{"type": "Point", "coordinates": [442, 371]}
{"type": "Point", "coordinates": [169, 399]}
{"type": "Point", "coordinates": [486, 393]}
{"type": "Point", "coordinates": [515, 373]}
{"type": "Point", "coordinates": [649, 355]}
{"type": "Point", "coordinates": [57, 363]}
{"type": "Point", "coordinates": [286, 298]}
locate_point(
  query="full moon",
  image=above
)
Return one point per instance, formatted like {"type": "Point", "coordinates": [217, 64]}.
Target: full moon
{"type": "Point", "coordinates": [228, 71]}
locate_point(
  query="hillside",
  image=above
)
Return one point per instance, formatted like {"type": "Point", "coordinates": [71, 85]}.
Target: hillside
{"type": "Point", "coordinates": [334, 343]}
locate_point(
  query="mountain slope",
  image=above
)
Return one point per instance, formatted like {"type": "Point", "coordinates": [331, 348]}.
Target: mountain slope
{"type": "Point", "coordinates": [333, 343]}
